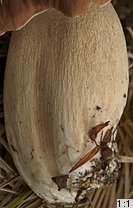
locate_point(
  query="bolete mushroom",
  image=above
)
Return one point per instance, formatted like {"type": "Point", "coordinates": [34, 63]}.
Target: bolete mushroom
{"type": "Point", "coordinates": [65, 89]}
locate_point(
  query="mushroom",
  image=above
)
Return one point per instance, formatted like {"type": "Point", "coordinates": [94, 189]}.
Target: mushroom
{"type": "Point", "coordinates": [65, 89]}
{"type": "Point", "coordinates": [15, 14]}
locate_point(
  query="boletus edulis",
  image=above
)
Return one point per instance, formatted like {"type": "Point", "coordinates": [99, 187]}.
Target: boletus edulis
{"type": "Point", "coordinates": [65, 89]}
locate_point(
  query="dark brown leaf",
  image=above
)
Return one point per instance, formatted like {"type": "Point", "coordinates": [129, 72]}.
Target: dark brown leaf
{"type": "Point", "coordinates": [61, 181]}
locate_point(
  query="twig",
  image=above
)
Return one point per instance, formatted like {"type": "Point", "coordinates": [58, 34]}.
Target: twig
{"type": "Point", "coordinates": [8, 181]}
{"type": "Point", "coordinates": [112, 196]}
{"type": "Point", "coordinates": [9, 191]}
{"type": "Point", "coordinates": [130, 66]}
{"type": "Point", "coordinates": [125, 159]}
{"type": "Point", "coordinates": [129, 29]}
{"type": "Point", "coordinates": [127, 182]}
{"type": "Point", "coordinates": [130, 55]}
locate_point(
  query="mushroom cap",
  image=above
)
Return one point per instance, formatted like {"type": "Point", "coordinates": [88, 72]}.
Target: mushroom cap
{"type": "Point", "coordinates": [15, 14]}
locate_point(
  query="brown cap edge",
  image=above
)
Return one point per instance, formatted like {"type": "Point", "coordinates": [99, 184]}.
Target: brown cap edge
{"type": "Point", "coordinates": [14, 17]}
